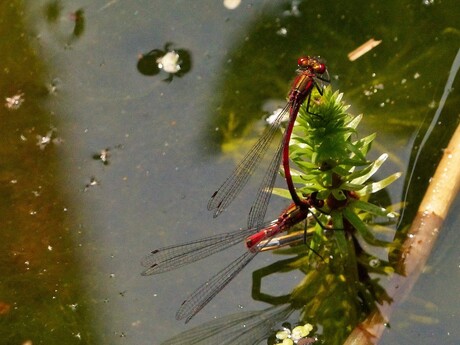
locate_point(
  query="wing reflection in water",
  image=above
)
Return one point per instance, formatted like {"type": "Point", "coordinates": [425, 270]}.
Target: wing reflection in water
{"type": "Point", "coordinates": [246, 328]}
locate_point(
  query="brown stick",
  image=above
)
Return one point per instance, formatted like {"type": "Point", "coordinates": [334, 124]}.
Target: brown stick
{"type": "Point", "coordinates": [421, 237]}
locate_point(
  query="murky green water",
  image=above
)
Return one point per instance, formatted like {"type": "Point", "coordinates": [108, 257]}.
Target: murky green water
{"type": "Point", "coordinates": [74, 226]}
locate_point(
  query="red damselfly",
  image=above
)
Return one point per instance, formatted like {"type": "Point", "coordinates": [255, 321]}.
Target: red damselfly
{"type": "Point", "coordinates": [311, 73]}
{"type": "Point", "coordinates": [256, 239]}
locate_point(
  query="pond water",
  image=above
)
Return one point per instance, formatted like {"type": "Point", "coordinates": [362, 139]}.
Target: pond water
{"type": "Point", "coordinates": [105, 158]}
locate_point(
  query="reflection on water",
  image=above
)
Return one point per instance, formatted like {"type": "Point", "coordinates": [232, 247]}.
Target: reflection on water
{"type": "Point", "coordinates": [242, 328]}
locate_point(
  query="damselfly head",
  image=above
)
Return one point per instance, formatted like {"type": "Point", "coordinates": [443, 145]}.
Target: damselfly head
{"type": "Point", "coordinates": [319, 67]}
{"type": "Point", "coordinates": [304, 62]}
{"type": "Point", "coordinates": [311, 63]}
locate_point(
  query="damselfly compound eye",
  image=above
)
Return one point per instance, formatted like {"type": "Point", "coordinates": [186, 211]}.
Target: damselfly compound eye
{"type": "Point", "coordinates": [304, 61]}
{"type": "Point", "coordinates": [319, 68]}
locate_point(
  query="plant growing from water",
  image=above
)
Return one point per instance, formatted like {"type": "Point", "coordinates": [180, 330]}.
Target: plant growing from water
{"type": "Point", "coordinates": [338, 291]}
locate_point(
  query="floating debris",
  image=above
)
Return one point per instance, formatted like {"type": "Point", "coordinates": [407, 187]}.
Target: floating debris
{"type": "Point", "coordinates": [92, 183]}
{"type": "Point", "coordinates": [79, 18]}
{"type": "Point", "coordinates": [14, 102]}
{"type": "Point", "coordinates": [294, 11]}
{"type": "Point", "coordinates": [169, 62]}
{"type": "Point", "coordinates": [175, 62]}
{"type": "Point", "coordinates": [282, 32]}
{"type": "Point", "coordinates": [231, 4]}
{"type": "Point", "coordinates": [53, 86]}
{"type": "Point", "coordinates": [103, 156]}
{"type": "Point", "coordinates": [363, 49]}
{"type": "Point", "coordinates": [43, 141]}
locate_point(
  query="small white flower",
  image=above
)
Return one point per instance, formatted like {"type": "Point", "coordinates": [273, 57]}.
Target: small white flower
{"type": "Point", "coordinates": [300, 332]}
{"type": "Point", "coordinates": [288, 337]}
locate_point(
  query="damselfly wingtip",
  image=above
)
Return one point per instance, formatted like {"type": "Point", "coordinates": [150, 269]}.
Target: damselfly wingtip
{"type": "Point", "coordinates": [149, 271]}
{"type": "Point", "coordinates": [184, 312]}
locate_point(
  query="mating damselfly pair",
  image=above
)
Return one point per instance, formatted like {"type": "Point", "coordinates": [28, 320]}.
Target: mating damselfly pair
{"type": "Point", "coordinates": [259, 234]}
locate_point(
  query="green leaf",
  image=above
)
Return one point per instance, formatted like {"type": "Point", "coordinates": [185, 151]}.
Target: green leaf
{"type": "Point", "coordinates": [368, 207]}
{"type": "Point", "coordinates": [356, 151]}
{"type": "Point", "coordinates": [374, 168]}
{"type": "Point", "coordinates": [365, 143]}
{"type": "Point", "coordinates": [351, 186]}
{"type": "Point", "coordinates": [358, 173]}
{"type": "Point", "coordinates": [361, 227]}
{"type": "Point", "coordinates": [339, 194]}
{"type": "Point", "coordinates": [306, 165]}
{"type": "Point", "coordinates": [376, 186]}
{"type": "Point", "coordinates": [355, 121]}
{"type": "Point", "coordinates": [339, 170]}
{"type": "Point", "coordinates": [337, 221]}
{"type": "Point", "coordinates": [323, 194]}
{"type": "Point", "coordinates": [284, 193]}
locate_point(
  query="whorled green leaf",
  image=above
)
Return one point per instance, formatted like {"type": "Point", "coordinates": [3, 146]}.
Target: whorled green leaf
{"type": "Point", "coordinates": [374, 167]}
{"type": "Point", "coordinates": [365, 143]}
{"type": "Point", "coordinates": [339, 194]}
{"type": "Point", "coordinates": [284, 193]}
{"type": "Point", "coordinates": [376, 186]}
{"type": "Point", "coordinates": [341, 171]}
{"type": "Point", "coordinates": [370, 208]}
{"type": "Point", "coordinates": [354, 122]}
{"type": "Point", "coordinates": [362, 228]}
{"type": "Point", "coordinates": [351, 187]}
{"type": "Point", "coordinates": [337, 220]}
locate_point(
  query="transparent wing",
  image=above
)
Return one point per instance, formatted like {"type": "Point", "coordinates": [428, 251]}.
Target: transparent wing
{"type": "Point", "coordinates": [246, 328]}
{"type": "Point", "coordinates": [172, 257]}
{"type": "Point", "coordinates": [206, 292]}
{"type": "Point", "coordinates": [259, 208]}
{"type": "Point", "coordinates": [239, 177]}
